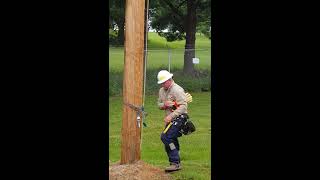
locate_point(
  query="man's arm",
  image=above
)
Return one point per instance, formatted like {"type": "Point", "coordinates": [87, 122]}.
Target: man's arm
{"type": "Point", "coordinates": [181, 101]}
{"type": "Point", "coordinates": [161, 104]}
{"type": "Point", "coordinates": [164, 105]}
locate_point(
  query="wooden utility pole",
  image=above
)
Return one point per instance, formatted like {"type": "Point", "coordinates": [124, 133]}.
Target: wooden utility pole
{"type": "Point", "coordinates": [133, 80]}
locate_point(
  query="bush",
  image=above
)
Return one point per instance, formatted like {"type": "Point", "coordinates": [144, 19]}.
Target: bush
{"type": "Point", "coordinates": [202, 82]}
{"type": "Point", "coordinates": [113, 39]}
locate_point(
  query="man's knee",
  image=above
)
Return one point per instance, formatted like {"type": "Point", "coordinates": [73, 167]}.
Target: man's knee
{"type": "Point", "coordinates": [172, 146]}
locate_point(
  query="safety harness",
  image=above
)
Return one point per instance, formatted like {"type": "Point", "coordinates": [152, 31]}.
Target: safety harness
{"type": "Point", "coordinates": [187, 126]}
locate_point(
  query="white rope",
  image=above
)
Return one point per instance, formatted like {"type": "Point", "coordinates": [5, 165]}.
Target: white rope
{"type": "Point", "coordinates": [145, 54]}
{"type": "Point", "coordinates": [145, 68]}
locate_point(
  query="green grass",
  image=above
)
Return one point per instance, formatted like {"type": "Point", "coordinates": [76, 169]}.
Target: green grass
{"type": "Point", "coordinates": [157, 42]}
{"type": "Point", "coordinates": [158, 59]}
{"type": "Point", "coordinates": [158, 53]}
{"type": "Point", "coordinates": [195, 148]}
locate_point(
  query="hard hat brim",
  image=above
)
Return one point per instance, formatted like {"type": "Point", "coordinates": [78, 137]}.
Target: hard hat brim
{"type": "Point", "coordinates": [164, 80]}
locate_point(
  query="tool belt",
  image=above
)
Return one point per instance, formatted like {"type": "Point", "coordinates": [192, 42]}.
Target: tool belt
{"type": "Point", "coordinates": [187, 127]}
{"type": "Point", "coordinates": [183, 121]}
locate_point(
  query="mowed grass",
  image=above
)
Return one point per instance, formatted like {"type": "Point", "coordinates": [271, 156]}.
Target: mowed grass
{"type": "Point", "coordinates": [195, 148]}
{"type": "Point", "coordinates": [158, 53]}
{"type": "Point", "coordinates": [157, 42]}
{"type": "Point", "coordinates": [158, 58]}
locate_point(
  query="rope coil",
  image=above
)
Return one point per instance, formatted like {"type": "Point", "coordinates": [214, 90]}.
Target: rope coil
{"type": "Point", "coordinates": [139, 110]}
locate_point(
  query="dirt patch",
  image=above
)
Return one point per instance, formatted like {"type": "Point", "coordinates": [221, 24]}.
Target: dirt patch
{"type": "Point", "coordinates": [137, 171]}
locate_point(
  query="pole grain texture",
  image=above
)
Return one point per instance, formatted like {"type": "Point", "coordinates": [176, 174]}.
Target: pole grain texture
{"type": "Point", "coordinates": [133, 80]}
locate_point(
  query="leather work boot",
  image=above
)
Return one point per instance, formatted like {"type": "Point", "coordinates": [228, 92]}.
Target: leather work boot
{"type": "Point", "coordinates": [173, 167]}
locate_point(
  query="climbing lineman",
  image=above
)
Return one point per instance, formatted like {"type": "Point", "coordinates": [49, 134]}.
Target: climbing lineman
{"type": "Point", "coordinates": [174, 101]}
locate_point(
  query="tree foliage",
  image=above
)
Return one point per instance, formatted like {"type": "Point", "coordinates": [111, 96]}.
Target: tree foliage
{"type": "Point", "coordinates": [116, 20]}
{"type": "Point", "coordinates": [173, 20]}
{"type": "Point", "coordinates": [171, 16]}
{"type": "Point", "coordinates": [177, 20]}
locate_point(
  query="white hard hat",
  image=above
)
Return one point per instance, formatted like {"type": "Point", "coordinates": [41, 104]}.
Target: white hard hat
{"type": "Point", "coordinates": [163, 75]}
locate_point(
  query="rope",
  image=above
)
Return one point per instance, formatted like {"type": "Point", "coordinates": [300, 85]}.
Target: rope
{"type": "Point", "coordinates": [145, 69]}
{"type": "Point", "coordinates": [145, 54]}
{"type": "Point", "coordinates": [139, 110]}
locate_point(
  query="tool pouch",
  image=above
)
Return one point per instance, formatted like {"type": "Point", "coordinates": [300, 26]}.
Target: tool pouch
{"type": "Point", "coordinates": [186, 126]}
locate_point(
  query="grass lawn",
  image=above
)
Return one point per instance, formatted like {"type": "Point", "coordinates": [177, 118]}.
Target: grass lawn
{"type": "Point", "coordinates": [195, 148]}
{"type": "Point", "coordinates": [158, 58]}
{"type": "Point", "coordinates": [157, 42]}
{"type": "Point", "coordinates": [158, 55]}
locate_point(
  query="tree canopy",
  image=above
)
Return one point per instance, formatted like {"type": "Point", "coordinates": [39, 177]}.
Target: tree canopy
{"type": "Point", "coordinates": [172, 16]}
{"type": "Point", "coordinates": [173, 20]}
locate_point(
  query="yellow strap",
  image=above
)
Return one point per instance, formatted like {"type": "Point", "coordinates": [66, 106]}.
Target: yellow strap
{"type": "Point", "coordinates": [167, 127]}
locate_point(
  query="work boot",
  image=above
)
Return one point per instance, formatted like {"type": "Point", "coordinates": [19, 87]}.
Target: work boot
{"type": "Point", "coordinates": [173, 167]}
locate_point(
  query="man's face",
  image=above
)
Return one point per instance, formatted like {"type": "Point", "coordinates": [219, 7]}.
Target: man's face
{"type": "Point", "coordinates": [166, 84]}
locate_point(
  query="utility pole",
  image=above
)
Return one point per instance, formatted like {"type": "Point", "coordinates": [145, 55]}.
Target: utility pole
{"type": "Point", "coordinates": [132, 81]}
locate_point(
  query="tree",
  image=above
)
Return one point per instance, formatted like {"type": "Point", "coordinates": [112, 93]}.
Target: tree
{"type": "Point", "coordinates": [180, 18]}
{"type": "Point", "coordinates": [205, 29]}
{"type": "Point", "coordinates": [116, 17]}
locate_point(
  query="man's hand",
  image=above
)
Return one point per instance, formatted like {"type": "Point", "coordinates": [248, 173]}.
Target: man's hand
{"type": "Point", "coordinates": [168, 119]}
{"type": "Point", "coordinates": [168, 103]}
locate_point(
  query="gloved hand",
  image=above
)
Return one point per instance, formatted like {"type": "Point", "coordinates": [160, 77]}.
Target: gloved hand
{"type": "Point", "coordinates": [189, 98]}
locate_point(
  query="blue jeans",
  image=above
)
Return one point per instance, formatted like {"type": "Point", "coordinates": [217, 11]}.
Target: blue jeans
{"type": "Point", "coordinates": [171, 143]}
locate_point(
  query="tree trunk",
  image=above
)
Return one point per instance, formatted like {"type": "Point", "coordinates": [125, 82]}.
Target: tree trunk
{"type": "Point", "coordinates": [190, 25]}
